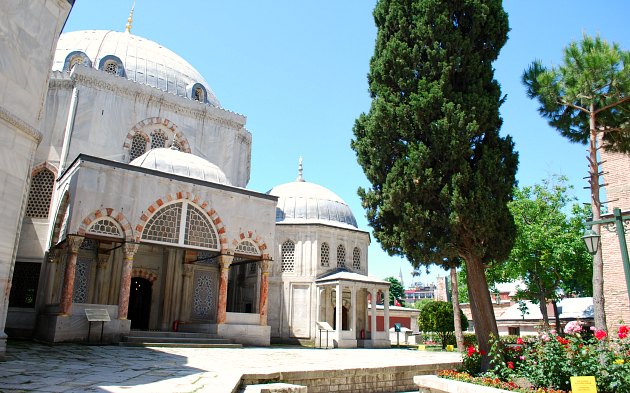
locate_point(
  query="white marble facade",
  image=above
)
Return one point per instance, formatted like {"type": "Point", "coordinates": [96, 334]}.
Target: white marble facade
{"type": "Point", "coordinates": [138, 204]}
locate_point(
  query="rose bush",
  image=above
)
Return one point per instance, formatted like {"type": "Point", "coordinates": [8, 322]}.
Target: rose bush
{"type": "Point", "coordinates": [549, 360]}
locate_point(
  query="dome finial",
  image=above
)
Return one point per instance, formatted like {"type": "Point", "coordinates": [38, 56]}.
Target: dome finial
{"type": "Point", "coordinates": [300, 178]}
{"type": "Point", "coordinates": [130, 19]}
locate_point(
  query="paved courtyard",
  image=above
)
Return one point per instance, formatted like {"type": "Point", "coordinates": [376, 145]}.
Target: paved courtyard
{"type": "Point", "coordinates": [32, 367]}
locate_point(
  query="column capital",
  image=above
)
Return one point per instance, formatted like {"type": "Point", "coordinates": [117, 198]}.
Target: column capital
{"type": "Point", "coordinates": [74, 243]}
{"type": "Point", "coordinates": [264, 266]}
{"type": "Point", "coordinates": [54, 255]}
{"type": "Point", "coordinates": [130, 249]}
{"type": "Point", "coordinates": [188, 270]}
{"type": "Point", "coordinates": [225, 260]}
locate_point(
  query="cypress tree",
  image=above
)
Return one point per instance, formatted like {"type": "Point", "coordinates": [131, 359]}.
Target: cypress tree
{"type": "Point", "coordinates": [441, 173]}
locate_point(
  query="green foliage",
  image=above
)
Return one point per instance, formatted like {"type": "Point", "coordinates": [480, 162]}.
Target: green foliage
{"type": "Point", "coordinates": [438, 317]}
{"type": "Point", "coordinates": [548, 253]}
{"type": "Point", "coordinates": [440, 173]}
{"type": "Point", "coordinates": [420, 303]}
{"type": "Point", "coordinates": [594, 79]}
{"type": "Point", "coordinates": [396, 291]}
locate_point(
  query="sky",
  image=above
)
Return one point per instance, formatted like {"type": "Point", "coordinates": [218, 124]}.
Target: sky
{"type": "Point", "coordinates": [297, 70]}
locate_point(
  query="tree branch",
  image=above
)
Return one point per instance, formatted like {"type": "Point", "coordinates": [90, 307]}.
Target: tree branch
{"type": "Point", "coordinates": [611, 105]}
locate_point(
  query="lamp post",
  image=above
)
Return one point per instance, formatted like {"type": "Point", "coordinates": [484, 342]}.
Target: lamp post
{"type": "Point", "coordinates": [592, 239]}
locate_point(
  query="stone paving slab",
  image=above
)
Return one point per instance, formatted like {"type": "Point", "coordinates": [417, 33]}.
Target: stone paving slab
{"type": "Point", "coordinates": [69, 368]}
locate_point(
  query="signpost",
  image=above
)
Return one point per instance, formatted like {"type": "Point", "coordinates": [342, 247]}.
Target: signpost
{"type": "Point", "coordinates": [96, 315]}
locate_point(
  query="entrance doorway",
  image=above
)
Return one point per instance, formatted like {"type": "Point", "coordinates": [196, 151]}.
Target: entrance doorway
{"type": "Point", "coordinates": [344, 318]}
{"type": "Point", "coordinates": [140, 303]}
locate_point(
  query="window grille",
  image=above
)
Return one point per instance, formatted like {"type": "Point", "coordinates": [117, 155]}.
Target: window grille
{"type": "Point", "coordinates": [106, 227]}
{"type": "Point", "coordinates": [248, 248]}
{"type": "Point", "coordinates": [158, 139]}
{"type": "Point", "coordinates": [207, 258]}
{"type": "Point", "coordinates": [24, 284]}
{"type": "Point", "coordinates": [111, 67]}
{"type": "Point", "coordinates": [288, 256]}
{"type": "Point", "coordinates": [356, 258]}
{"type": "Point", "coordinates": [81, 279]}
{"type": "Point", "coordinates": [138, 147]}
{"type": "Point", "coordinates": [341, 256]}
{"type": "Point", "coordinates": [325, 255]}
{"type": "Point", "coordinates": [176, 145]}
{"type": "Point", "coordinates": [40, 195]}
{"type": "Point", "coordinates": [89, 244]}
{"type": "Point", "coordinates": [199, 231]}
{"type": "Point", "coordinates": [203, 295]}
{"type": "Point", "coordinates": [164, 225]}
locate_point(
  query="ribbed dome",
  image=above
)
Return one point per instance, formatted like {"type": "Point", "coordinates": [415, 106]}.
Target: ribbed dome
{"type": "Point", "coordinates": [182, 164]}
{"type": "Point", "coordinates": [303, 202]}
{"type": "Point", "coordinates": [144, 61]}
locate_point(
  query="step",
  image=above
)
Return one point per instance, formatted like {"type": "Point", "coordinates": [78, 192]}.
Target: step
{"type": "Point", "coordinates": [192, 340]}
{"type": "Point", "coordinates": [177, 345]}
{"type": "Point", "coordinates": [156, 333]}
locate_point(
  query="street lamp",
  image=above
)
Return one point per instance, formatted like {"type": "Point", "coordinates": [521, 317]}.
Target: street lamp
{"type": "Point", "coordinates": [591, 239]}
{"type": "Point", "coordinates": [615, 223]}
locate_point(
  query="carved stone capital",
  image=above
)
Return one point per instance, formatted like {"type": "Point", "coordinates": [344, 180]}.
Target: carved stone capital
{"type": "Point", "coordinates": [188, 270]}
{"type": "Point", "coordinates": [130, 249]}
{"type": "Point", "coordinates": [225, 261]}
{"type": "Point", "coordinates": [74, 243]}
{"type": "Point", "coordinates": [264, 266]}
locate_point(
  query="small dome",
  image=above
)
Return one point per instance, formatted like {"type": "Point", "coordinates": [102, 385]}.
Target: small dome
{"type": "Point", "coordinates": [303, 202]}
{"type": "Point", "coordinates": [182, 164]}
{"type": "Point", "coordinates": [143, 61]}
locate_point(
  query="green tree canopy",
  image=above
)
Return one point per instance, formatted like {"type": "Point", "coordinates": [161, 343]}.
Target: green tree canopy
{"type": "Point", "coordinates": [437, 317]}
{"type": "Point", "coordinates": [396, 291]}
{"type": "Point", "coordinates": [548, 254]}
{"type": "Point", "coordinates": [440, 173]}
{"type": "Point", "coordinates": [586, 100]}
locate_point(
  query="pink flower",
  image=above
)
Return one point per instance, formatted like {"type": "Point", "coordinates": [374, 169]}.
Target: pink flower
{"type": "Point", "coordinates": [600, 334]}
{"type": "Point", "coordinates": [521, 357]}
{"type": "Point", "coordinates": [593, 328]}
{"type": "Point", "coordinates": [573, 327]}
{"type": "Point", "coordinates": [623, 331]}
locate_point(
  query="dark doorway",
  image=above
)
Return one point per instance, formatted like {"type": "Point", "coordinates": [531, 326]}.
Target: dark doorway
{"type": "Point", "coordinates": [344, 318]}
{"type": "Point", "coordinates": [140, 303]}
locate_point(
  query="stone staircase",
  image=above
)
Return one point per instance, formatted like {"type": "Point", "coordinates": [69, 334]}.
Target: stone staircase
{"type": "Point", "coordinates": [142, 338]}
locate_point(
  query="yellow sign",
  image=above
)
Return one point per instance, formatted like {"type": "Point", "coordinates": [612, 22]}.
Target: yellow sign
{"type": "Point", "coordinates": [583, 385]}
{"type": "Point", "coordinates": [450, 348]}
{"type": "Point", "coordinates": [422, 347]}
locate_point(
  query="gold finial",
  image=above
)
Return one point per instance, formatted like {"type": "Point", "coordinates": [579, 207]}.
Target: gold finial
{"type": "Point", "coordinates": [300, 178]}
{"type": "Point", "coordinates": [130, 19]}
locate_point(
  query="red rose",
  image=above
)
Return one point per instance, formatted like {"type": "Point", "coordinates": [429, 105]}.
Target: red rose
{"type": "Point", "coordinates": [623, 331]}
{"type": "Point", "coordinates": [510, 365]}
{"type": "Point", "coordinates": [482, 352]}
{"type": "Point", "coordinates": [471, 350]}
{"type": "Point", "coordinates": [600, 334]}
{"type": "Point", "coordinates": [519, 341]}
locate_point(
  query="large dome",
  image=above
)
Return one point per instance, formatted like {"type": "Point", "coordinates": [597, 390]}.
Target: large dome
{"type": "Point", "coordinates": [143, 61]}
{"type": "Point", "coordinates": [182, 164]}
{"type": "Point", "coordinates": [301, 202]}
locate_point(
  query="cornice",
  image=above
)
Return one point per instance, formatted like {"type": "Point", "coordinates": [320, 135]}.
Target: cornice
{"type": "Point", "coordinates": [137, 91]}
{"type": "Point", "coordinates": [20, 124]}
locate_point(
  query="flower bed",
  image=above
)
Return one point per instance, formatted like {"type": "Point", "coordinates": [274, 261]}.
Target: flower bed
{"type": "Point", "coordinates": [546, 362]}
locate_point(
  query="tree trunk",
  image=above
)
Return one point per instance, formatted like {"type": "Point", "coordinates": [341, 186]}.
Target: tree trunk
{"type": "Point", "coordinates": [556, 316]}
{"type": "Point", "coordinates": [542, 303]}
{"type": "Point", "coordinates": [459, 335]}
{"type": "Point", "coordinates": [598, 264]}
{"type": "Point", "coordinates": [481, 306]}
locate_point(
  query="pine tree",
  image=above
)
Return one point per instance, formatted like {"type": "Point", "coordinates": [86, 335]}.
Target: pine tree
{"type": "Point", "coordinates": [441, 174]}
{"type": "Point", "coordinates": [586, 100]}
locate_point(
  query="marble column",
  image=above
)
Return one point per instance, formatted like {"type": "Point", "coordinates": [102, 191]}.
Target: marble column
{"type": "Point", "coordinates": [225, 261]}
{"type": "Point", "coordinates": [73, 243]}
{"type": "Point", "coordinates": [353, 310]}
{"type": "Point", "coordinates": [373, 310]}
{"type": "Point", "coordinates": [264, 291]}
{"type": "Point", "coordinates": [187, 292]}
{"type": "Point", "coordinates": [338, 311]}
{"type": "Point", "coordinates": [101, 268]}
{"type": "Point", "coordinates": [129, 250]}
{"type": "Point", "coordinates": [386, 310]}
{"type": "Point", "coordinates": [52, 265]}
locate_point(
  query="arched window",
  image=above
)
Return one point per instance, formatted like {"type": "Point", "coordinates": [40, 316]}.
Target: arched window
{"type": "Point", "coordinates": [106, 227]}
{"type": "Point", "coordinates": [325, 255]}
{"type": "Point", "coordinates": [40, 195]}
{"type": "Point", "coordinates": [158, 139]}
{"type": "Point", "coordinates": [138, 147]}
{"type": "Point", "coordinates": [197, 92]}
{"type": "Point", "coordinates": [356, 259]}
{"type": "Point", "coordinates": [288, 256]}
{"type": "Point", "coordinates": [246, 247]}
{"type": "Point", "coordinates": [76, 58]}
{"type": "Point", "coordinates": [184, 224]}
{"type": "Point", "coordinates": [341, 256]}
{"type": "Point", "coordinates": [111, 67]}
{"type": "Point", "coordinates": [199, 95]}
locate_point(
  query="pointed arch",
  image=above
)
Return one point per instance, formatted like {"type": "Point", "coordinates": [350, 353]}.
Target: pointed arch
{"type": "Point", "coordinates": [198, 225]}
{"type": "Point", "coordinates": [255, 240]}
{"type": "Point", "coordinates": [144, 273]}
{"type": "Point", "coordinates": [108, 215]}
{"type": "Point", "coordinates": [61, 218]}
{"type": "Point", "coordinates": [149, 126]}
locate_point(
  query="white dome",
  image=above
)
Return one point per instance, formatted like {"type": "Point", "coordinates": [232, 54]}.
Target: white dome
{"type": "Point", "coordinates": [182, 164]}
{"type": "Point", "coordinates": [303, 202]}
{"type": "Point", "coordinates": [144, 61]}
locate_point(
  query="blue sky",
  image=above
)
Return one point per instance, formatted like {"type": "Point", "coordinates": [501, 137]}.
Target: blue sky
{"type": "Point", "coordinates": [297, 70]}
